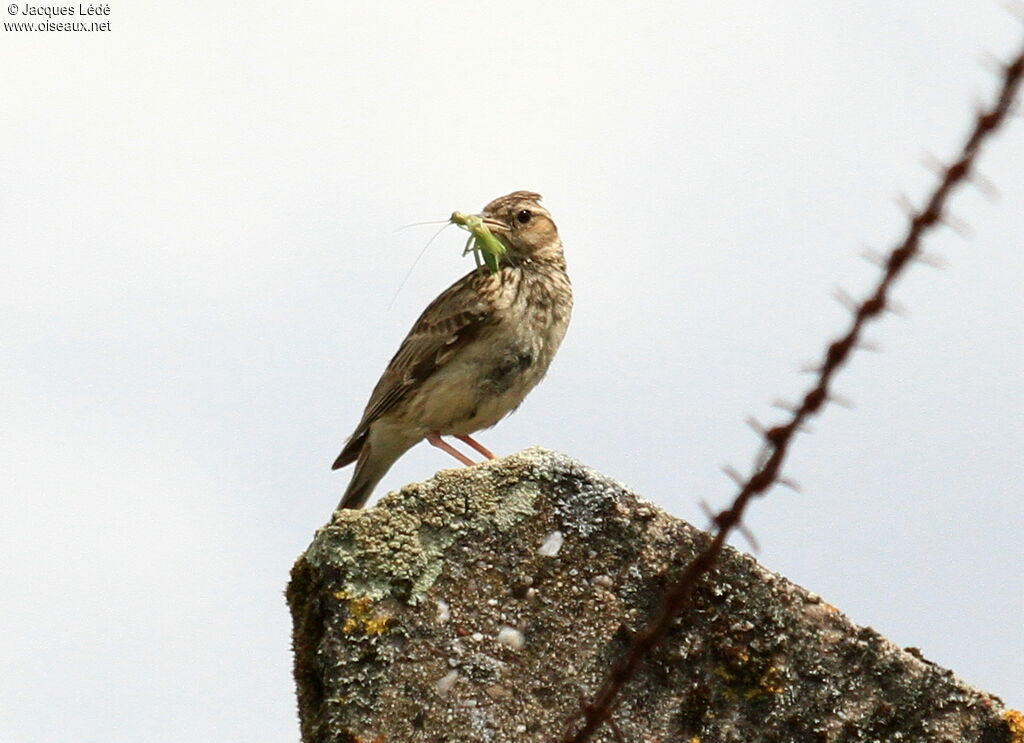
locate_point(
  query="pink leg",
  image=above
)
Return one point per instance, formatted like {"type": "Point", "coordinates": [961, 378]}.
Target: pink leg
{"type": "Point", "coordinates": [436, 440]}
{"type": "Point", "coordinates": [477, 445]}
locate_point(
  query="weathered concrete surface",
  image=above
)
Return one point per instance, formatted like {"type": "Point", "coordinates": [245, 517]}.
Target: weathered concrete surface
{"type": "Point", "coordinates": [451, 613]}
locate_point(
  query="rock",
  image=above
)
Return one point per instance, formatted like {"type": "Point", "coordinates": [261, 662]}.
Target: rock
{"type": "Point", "coordinates": [485, 604]}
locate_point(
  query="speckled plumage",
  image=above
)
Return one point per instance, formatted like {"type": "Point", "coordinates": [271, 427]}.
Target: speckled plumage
{"type": "Point", "coordinates": [475, 352]}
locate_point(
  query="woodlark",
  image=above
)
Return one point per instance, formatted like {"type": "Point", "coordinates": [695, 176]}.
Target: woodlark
{"type": "Point", "coordinates": [474, 353]}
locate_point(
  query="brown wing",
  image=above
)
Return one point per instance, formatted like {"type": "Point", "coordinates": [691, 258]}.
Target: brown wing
{"type": "Point", "coordinates": [446, 325]}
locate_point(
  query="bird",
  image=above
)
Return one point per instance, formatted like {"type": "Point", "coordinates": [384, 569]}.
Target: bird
{"type": "Point", "coordinates": [475, 352]}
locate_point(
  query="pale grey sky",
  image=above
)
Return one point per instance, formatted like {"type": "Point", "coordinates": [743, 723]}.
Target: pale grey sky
{"type": "Point", "coordinates": [197, 226]}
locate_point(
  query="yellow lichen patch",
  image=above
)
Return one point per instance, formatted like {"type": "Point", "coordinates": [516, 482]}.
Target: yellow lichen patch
{"type": "Point", "coordinates": [363, 617]}
{"type": "Point", "coordinates": [770, 683]}
{"type": "Point", "coordinates": [377, 625]}
{"type": "Point", "coordinates": [1015, 721]}
{"type": "Point", "coordinates": [742, 686]}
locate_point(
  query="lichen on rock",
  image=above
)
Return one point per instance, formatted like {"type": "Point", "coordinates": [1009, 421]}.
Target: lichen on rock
{"type": "Point", "coordinates": [453, 612]}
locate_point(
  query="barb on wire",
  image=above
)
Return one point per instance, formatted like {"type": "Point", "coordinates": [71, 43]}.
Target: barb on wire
{"type": "Point", "coordinates": [778, 438]}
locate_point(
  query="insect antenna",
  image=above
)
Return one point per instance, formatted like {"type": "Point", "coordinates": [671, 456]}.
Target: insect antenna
{"type": "Point", "coordinates": [418, 224]}
{"type": "Point", "coordinates": [420, 255]}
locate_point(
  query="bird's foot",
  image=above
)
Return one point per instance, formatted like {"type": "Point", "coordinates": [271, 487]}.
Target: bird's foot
{"type": "Point", "coordinates": [435, 439]}
{"type": "Point", "coordinates": [477, 445]}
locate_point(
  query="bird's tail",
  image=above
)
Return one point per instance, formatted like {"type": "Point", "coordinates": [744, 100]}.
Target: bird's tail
{"type": "Point", "coordinates": [360, 487]}
{"type": "Point", "coordinates": [375, 459]}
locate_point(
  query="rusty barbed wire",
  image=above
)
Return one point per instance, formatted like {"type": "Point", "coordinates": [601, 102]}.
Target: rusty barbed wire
{"type": "Point", "coordinates": [778, 438]}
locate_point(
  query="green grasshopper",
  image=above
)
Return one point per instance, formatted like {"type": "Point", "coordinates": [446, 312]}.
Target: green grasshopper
{"type": "Point", "coordinates": [486, 248]}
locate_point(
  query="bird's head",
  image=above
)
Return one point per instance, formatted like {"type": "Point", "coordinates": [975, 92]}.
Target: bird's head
{"type": "Point", "coordinates": [524, 226]}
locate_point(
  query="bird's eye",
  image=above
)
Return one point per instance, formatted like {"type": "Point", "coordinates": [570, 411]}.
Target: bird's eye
{"type": "Point", "coordinates": [524, 216]}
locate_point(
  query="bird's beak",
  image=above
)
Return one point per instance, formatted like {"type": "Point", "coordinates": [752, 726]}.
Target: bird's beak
{"type": "Point", "coordinates": [494, 224]}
